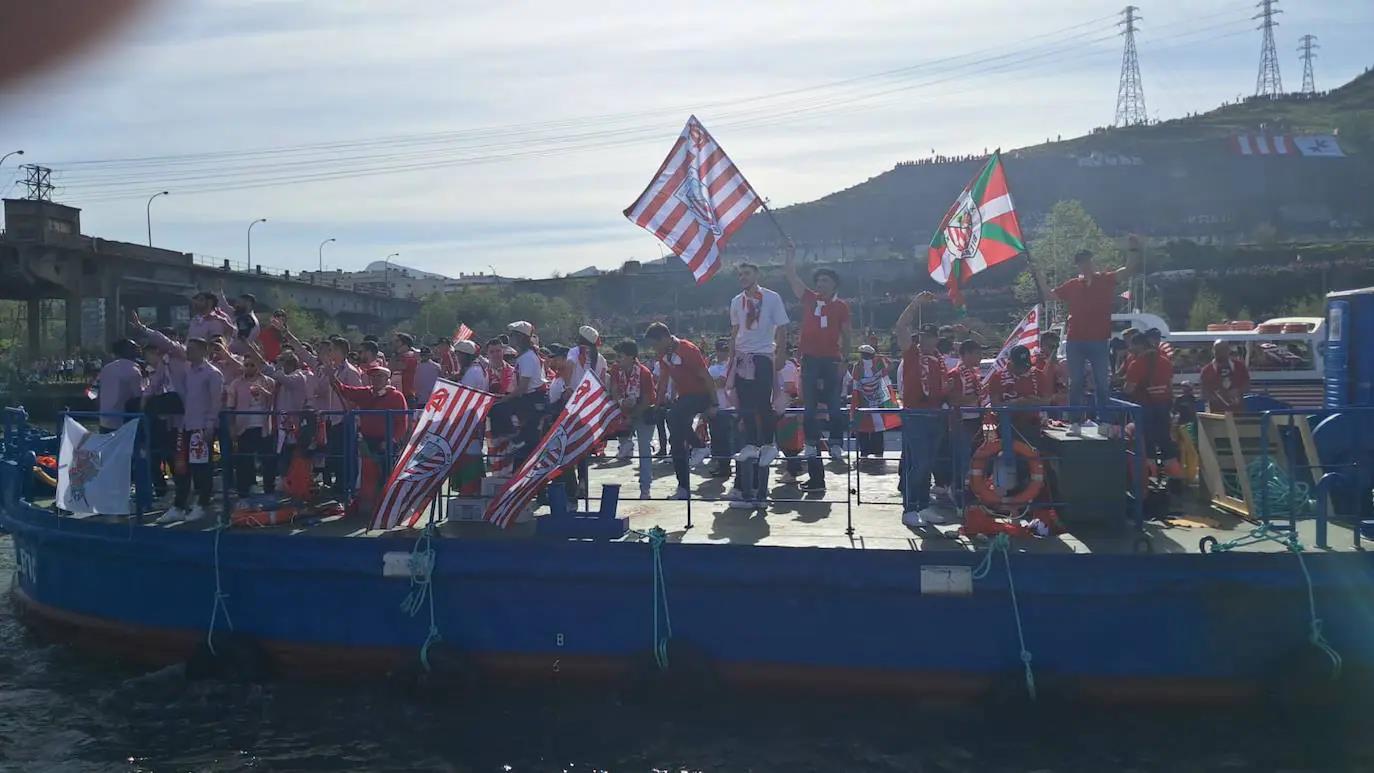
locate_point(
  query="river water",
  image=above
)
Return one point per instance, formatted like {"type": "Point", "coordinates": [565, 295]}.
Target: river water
{"type": "Point", "coordinates": [62, 711]}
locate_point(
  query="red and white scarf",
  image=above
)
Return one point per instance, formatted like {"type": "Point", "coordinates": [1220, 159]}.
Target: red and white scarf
{"type": "Point", "coordinates": [627, 382]}
{"type": "Point", "coordinates": [753, 307]}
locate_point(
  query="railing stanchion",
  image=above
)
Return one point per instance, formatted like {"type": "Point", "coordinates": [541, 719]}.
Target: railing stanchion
{"type": "Point", "coordinates": [226, 455]}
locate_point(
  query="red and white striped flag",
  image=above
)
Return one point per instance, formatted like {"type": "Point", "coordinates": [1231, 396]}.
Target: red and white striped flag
{"type": "Point", "coordinates": [454, 415]}
{"type": "Point", "coordinates": [463, 332]}
{"type": "Point", "coordinates": [588, 417]}
{"type": "Point", "coordinates": [696, 201]}
{"type": "Point", "coordinates": [1026, 333]}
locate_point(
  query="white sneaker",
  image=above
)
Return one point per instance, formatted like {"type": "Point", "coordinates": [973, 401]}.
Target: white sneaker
{"type": "Point", "coordinates": [1075, 430]}
{"type": "Point", "coordinates": [747, 453]}
{"type": "Point", "coordinates": [735, 495]}
{"type": "Point", "coordinates": [173, 515]}
{"type": "Point", "coordinates": [809, 451]}
{"type": "Point", "coordinates": [682, 493]}
{"type": "Point", "coordinates": [836, 452]}
{"type": "Point", "coordinates": [767, 454]}
{"type": "Point", "coordinates": [197, 513]}
{"type": "Point", "coordinates": [625, 451]}
{"type": "Point", "coordinates": [932, 515]}
{"type": "Point", "coordinates": [913, 519]}
{"type": "Point", "coordinates": [699, 455]}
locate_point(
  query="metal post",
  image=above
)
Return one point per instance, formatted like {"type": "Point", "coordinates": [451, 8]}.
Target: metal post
{"type": "Point", "coordinates": [1264, 467]}
{"type": "Point", "coordinates": [350, 462]}
{"type": "Point", "coordinates": [851, 468]}
{"type": "Point", "coordinates": [148, 211]}
{"type": "Point", "coordinates": [226, 454]}
{"type": "Point", "coordinates": [1136, 412]}
{"type": "Point", "coordinates": [143, 486]}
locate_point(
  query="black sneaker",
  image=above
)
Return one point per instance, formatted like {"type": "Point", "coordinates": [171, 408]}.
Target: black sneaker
{"type": "Point", "coordinates": [813, 486]}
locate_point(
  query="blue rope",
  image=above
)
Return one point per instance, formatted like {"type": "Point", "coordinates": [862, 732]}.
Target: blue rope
{"type": "Point", "coordinates": [1315, 635]}
{"type": "Point", "coordinates": [217, 605]}
{"type": "Point", "coordinates": [657, 537]}
{"type": "Point", "coordinates": [1001, 543]}
{"type": "Point", "coordinates": [421, 566]}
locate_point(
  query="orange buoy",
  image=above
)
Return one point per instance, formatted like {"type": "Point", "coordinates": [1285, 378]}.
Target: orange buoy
{"type": "Point", "coordinates": [981, 482]}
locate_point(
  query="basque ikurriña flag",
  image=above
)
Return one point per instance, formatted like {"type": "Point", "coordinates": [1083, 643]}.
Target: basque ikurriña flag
{"type": "Point", "coordinates": [454, 415]}
{"type": "Point", "coordinates": [979, 231]}
{"type": "Point", "coordinates": [589, 415]}
{"type": "Point", "coordinates": [696, 201]}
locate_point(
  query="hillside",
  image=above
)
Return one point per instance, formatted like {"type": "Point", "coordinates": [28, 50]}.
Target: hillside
{"type": "Point", "coordinates": [1182, 178]}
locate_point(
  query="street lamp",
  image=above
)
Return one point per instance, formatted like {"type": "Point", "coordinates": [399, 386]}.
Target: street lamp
{"type": "Point", "coordinates": [250, 240]}
{"type": "Point", "coordinates": [386, 270]}
{"type": "Point", "coordinates": [148, 210]}
{"type": "Point", "coordinates": [11, 153]}
{"type": "Point", "coordinates": [326, 241]}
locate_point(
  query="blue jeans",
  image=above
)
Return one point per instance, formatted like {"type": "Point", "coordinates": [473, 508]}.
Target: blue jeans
{"type": "Point", "coordinates": [1097, 354]}
{"type": "Point", "coordinates": [921, 435]}
{"type": "Point", "coordinates": [820, 383]}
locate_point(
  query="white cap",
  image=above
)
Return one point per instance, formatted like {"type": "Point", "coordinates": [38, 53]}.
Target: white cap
{"type": "Point", "coordinates": [588, 333]}
{"type": "Point", "coordinates": [522, 327]}
{"type": "Point", "coordinates": [866, 349]}
{"type": "Point", "coordinates": [466, 347]}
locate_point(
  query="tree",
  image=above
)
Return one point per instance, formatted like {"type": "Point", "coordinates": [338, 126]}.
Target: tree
{"type": "Point", "coordinates": [1206, 310]}
{"type": "Point", "coordinates": [304, 324]}
{"type": "Point", "coordinates": [1307, 306]}
{"type": "Point", "coordinates": [1067, 229]}
{"type": "Point", "coordinates": [487, 310]}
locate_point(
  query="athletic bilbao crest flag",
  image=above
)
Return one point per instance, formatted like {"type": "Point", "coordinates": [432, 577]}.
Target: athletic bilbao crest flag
{"type": "Point", "coordinates": [93, 470]}
{"type": "Point", "coordinates": [697, 199]}
{"type": "Point", "coordinates": [979, 231]}
{"type": "Point", "coordinates": [1026, 333]}
{"type": "Point", "coordinates": [589, 415]}
{"type": "Point", "coordinates": [454, 415]}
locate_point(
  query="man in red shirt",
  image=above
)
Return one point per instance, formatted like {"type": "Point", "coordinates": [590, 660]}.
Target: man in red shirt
{"type": "Point", "coordinates": [632, 385]}
{"type": "Point", "coordinates": [824, 345]}
{"type": "Point", "coordinates": [1017, 383]}
{"type": "Point", "coordinates": [1089, 297]}
{"type": "Point", "coordinates": [1149, 382]}
{"type": "Point", "coordinates": [685, 367]}
{"type": "Point", "coordinates": [1224, 380]}
{"type": "Point", "coordinates": [923, 387]}
{"type": "Point", "coordinates": [1054, 375]}
{"type": "Point", "coordinates": [407, 359]}
{"type": "Point", "coordinates": [964, 391]}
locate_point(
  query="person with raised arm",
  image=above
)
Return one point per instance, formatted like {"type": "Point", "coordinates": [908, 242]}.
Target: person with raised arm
{"type": "Point", "coordinates": [1089, 298]}
{"type": "Point", "coordinates": [252, 393]}
{"type": "Point", "coordinates": [923, 386]}
{"type": "Point", "coordinates": [203, 397]}
{"type": "Point", "coordinates": [330, 403]}
{"type": "Point", "coordinates": [824, 345]}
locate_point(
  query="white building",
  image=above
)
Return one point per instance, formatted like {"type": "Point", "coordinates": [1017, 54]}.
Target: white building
{"type": "Point", "coordinates": [401, 281]}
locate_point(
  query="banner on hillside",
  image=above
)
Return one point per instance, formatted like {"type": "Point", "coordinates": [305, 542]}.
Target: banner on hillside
{"type": "Point", "coordinates": [93, 469]}
{"type": "Point", "coordinates": [697, 199]}
{"type": "Point", "coordinates": [980, 230]}
{"type": "Point", "coordinates": [589, 415]}
{"type": "Point", "coordinates": [452, 417]}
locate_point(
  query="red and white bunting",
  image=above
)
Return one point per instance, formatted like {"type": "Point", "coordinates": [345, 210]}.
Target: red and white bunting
{"type": "Point", "coordinates": [1026, 333]}
{"type": "Point", "coordinates": [696, 201]}
{"type": "Point", "coordinates": [463, 333]}
{"type": "Point", "coordinates": [454, 415]}
{"type": "Point", "coordinates": [589, 415]}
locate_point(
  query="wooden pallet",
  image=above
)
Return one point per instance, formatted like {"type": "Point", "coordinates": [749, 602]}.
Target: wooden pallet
{"type": "Point", "coordinates": [1228, 442]}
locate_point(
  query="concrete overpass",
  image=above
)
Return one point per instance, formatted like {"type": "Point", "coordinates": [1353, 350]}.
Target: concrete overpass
{"type": "Point", "coordinates": [44, 255]}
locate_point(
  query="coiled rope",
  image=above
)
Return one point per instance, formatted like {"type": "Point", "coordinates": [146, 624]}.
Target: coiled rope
{"type": "Point", "coordinates": [1002, 544]}
{"type": "Point", "coordinates": [421, 566]}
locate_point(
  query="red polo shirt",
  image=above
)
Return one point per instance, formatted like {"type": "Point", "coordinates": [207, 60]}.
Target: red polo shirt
{"type": "Point", "coordinates": [923, 379]}
{"type": "Point", "coordinates": [821, 322]}
{"type": "Point", "coordinates": [1090, 306]}
{"type": "Point", "coordinates": [1153, 376]}
{"type": "Point", "coordinates": [688, 381]}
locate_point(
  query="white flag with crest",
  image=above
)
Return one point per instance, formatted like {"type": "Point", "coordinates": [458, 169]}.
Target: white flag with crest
{"type": "Point", "coordinates": [93, 469]}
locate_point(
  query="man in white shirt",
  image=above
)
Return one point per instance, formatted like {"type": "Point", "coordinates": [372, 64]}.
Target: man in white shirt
{"type": "Point", "coordinates": [758, 330]}
{"type": "Point", "coordinates": [527, 401]}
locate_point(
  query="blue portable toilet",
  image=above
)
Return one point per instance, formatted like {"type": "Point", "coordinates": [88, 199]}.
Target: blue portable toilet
{"type": "Point", "coordinates": [1345, 440]}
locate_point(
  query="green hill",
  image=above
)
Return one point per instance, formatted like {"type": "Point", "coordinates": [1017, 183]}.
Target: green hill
{"type": "Point", "coordinates": [1181, 178]}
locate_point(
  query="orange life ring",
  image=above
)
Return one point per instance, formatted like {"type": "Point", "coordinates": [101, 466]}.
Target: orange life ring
{"type": "Point", "coordinates": [981, 482]}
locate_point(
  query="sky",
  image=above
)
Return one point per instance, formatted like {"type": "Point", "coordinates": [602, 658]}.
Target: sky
{"type": "Point", "coordinates": [472, 137]}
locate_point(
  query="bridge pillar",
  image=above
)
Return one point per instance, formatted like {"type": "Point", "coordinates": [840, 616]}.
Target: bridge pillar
{"type": "Point", "coordinates": [72, 305]}
{"type": "Point", "coordinates": [114, 317]}
{"type": "Point", "coordinates": [35, 328]}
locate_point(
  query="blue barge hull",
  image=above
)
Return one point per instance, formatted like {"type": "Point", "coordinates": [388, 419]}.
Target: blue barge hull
{"type": "Point", "coordinates": [1161, 627]}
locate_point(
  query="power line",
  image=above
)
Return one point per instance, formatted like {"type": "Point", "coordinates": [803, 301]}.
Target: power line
{"type": "Point", "coordinates": [1308, 50]}
{"type": "Point", "coordinates": [1268, 83]}
{"type": "Point", "coordinates": [1130, 93]}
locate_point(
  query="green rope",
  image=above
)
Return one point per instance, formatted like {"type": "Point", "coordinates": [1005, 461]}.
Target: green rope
{"type": "Point", "coordinates": [1275, 492]}
{"type": "Point", "coordinates": [657, 537]}
{"type": "Point", "coordinates": [1001, 543]}
{"type": "Point", "coordinates": [1315, 635]}
{"type": "Point", "coordinates": [217, 605]}
{"type": "Point", "coordinates": [421, 566]}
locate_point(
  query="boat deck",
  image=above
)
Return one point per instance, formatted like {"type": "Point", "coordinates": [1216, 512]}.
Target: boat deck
{"type": "Point", "coordinates": [796, 519]}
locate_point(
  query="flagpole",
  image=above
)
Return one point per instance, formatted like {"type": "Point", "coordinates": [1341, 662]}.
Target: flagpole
{"type": "Point", "coordinates": [764, 204]}
{"type": "Point", "coordinates": [1030, 262]}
